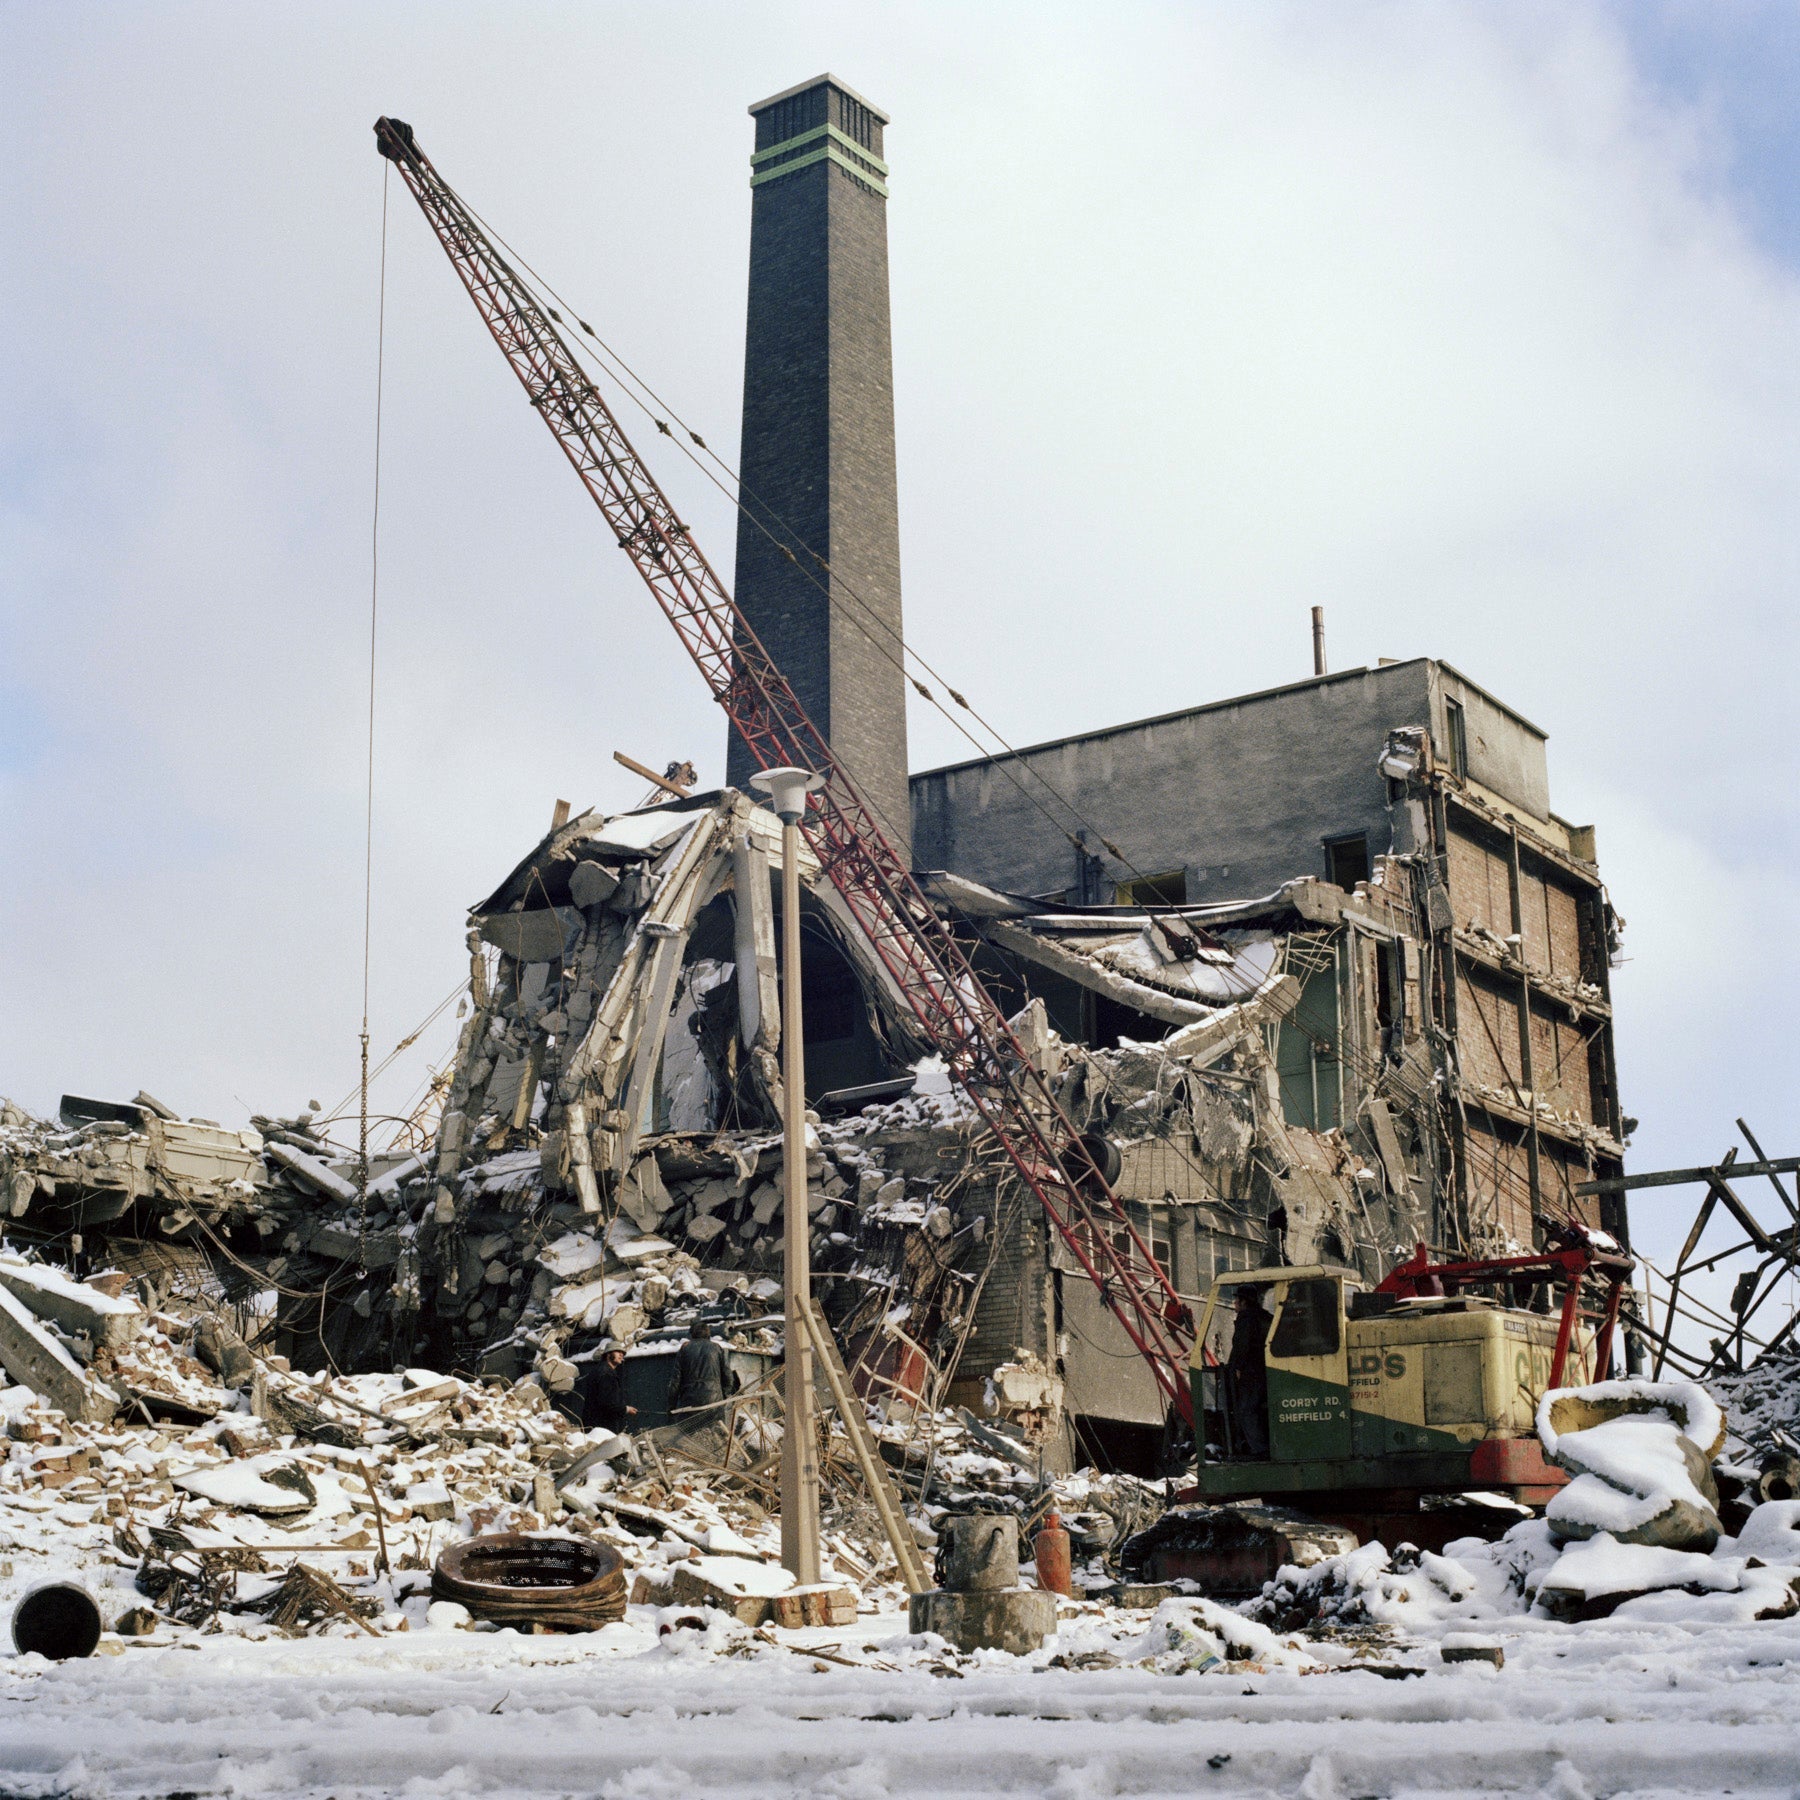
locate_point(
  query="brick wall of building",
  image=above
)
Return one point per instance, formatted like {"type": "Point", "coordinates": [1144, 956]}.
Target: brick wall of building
{"type": "Point", "coordinates": [1015, 1312]}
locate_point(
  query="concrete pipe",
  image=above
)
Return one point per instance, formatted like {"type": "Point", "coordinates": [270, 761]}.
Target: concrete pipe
{"type": "Point", "coordinates": [57, 1619]}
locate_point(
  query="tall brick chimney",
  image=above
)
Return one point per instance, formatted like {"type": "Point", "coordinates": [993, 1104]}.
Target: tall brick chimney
{"type": "Point", "coordinates": [818, 445]}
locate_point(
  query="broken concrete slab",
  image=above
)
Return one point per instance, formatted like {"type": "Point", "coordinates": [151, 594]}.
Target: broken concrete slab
{"type": "Point", "coordinates": [32, 1356]}
{"type": "Point", "coordinates": [205, 1157]}
{"type": "Point", "coordinates": [642, 1194]}
{"type": "Point", "coordinates": [311, 1171]}
{"type": "Point", "coordinates": [431, 1501]}
{"type": "Point", "coordinates": [1170, 1009]}
{"type": "Point", "coordinates": [1200, 1042]}
{"type": "Point", "coordinates": [368, 1249]}
{"type": "Point", "coordinates": [73, 1305]}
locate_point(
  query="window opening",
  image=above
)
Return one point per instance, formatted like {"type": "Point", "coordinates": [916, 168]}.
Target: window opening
{"type": "Point", "coordinates": [1347, 861]}
{"type": "Point", "coordinates": [1389, 984]}
{"type": "Point", "coordinates": [1456, 730]}
{"type": "Point", "coordinates": [1167, 889]}
{"type": "Point", "coordinates": [1308, 1325]}
{"type": "Point", "coordinates": [829, 996]}
{"type": "Point", "coordinates": [1155, 1235]}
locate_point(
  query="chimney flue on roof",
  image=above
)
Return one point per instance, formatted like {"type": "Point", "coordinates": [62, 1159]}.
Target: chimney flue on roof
{"type": "Point", "coordinates": [1318, 640]}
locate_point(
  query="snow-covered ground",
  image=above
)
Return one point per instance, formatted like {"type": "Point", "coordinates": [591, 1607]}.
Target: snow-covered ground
{"type": "Point", "coordinates": [1664, 1667]}
{"type": "Point", "coordinates": [1613, 1707]}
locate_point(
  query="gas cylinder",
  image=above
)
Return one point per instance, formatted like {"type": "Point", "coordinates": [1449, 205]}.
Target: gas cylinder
{"type": "Point", "coordinates": [1052, 1548]}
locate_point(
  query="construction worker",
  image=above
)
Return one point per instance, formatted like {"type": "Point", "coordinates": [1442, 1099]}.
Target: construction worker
{"type": "Point", "coordinates": [702, 1374]}
{"type": "Point", "coordinates": [1247, 1374]}
{"type": "Point", "coordinates": [603, 1404]}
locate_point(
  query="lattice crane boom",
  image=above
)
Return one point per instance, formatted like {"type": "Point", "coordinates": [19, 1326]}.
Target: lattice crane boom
{"type": "Point", "coordinates": [930, 968]}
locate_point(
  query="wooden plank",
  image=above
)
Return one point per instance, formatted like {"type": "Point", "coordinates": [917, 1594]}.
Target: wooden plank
{"type": "Point", "coordinates": [874, 1472]}
{"type": "Point", "coordinates": [1721, 1191]}
{"type": "Point", "coordinates": [1756, 1149]}
{"type": "Point", "coordinates": [1695, 1232]}
{"type": "Point", "coordinates": [650, 775]}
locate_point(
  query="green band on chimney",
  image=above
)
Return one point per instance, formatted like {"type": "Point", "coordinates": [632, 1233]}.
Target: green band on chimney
{"type": "Point", "coordinates": [838, 147]}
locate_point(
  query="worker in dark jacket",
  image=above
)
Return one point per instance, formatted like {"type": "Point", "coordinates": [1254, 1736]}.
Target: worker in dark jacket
{"type": "Point", "coordinates": [702, 1374]}
{"type": "Point", "coordinates": [603, 1404]}
{"type": "Point", "coordinates": [1247, 1374]}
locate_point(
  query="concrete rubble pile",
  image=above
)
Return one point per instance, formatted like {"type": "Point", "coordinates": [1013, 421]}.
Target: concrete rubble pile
{"type": "Point", "coordinates": [199, 1486]}
{"type": "Point", "coordinates": [1220, 984]}
{"type": "Point", "coordinates": [525, 1273]}
{"type": "Point", "coordinates": [228, 1493]}
{"type": "Point", "coordinates": [242, 1328]}
{"type": "Point", "coordinates": [524, 1229]}
{"type": "Point", "coordinates": [249, 1216]}
{"type": "Point", "coordinates": [606, 1144]}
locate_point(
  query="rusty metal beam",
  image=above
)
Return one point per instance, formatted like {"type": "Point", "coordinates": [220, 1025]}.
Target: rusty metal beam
{"type": "Point", "coordinates": [1618, 1184]}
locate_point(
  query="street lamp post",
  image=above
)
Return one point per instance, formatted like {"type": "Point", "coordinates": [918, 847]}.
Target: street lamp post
{"type": "Point", "coordinates": [787, 790]}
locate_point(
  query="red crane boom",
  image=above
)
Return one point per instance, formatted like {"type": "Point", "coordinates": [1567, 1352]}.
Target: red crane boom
{"type": "Point", "coordinates": [929, 967]}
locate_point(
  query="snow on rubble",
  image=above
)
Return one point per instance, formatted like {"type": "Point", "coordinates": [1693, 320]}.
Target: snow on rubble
{"type": "Point", "coordinates": [200, 1497]}
{"type": "Point", "coordinates": [1636, 1533]}
{"type": "Point", "coordinates": [1640, 1455]}
{"type": "Point", "coordinates": [1386, 1670]}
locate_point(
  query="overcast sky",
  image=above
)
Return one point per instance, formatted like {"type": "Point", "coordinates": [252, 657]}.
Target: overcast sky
{"type": "Point", "coordinates": [1475, 324]}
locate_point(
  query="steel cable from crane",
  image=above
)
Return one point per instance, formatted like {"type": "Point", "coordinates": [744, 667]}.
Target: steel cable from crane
{"type": "Point", "coordinates": [615, 364]}
{"type": "Point", "coordinates": [406, 1043]}
{"type": "Point", "coordinates": [629, 380]}
{"type": "Point", "coordinates": [836, 590]}
{"type": "Point", "coordinates": [929, 967]}
{"type": "Point", "coordinates": [362, 1126]}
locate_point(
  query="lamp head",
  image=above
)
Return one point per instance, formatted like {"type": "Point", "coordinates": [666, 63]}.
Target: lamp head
{"type": "Point", "coordinates": [787, 790]}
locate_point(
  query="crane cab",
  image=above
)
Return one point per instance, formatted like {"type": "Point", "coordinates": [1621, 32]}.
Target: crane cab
{"type": "Point", "coordinates": [1373, 1390]}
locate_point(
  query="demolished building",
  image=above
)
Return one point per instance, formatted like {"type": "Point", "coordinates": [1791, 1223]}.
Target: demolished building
{"type": "Point", "coordinates": [1281, 1083]}
{"type": "Point", "coordinates": [1408, 783]}
{"type": "Point", "coordinates": [1403, 1035]}
{"type": "Point", "coordinates": [1327, 1073]}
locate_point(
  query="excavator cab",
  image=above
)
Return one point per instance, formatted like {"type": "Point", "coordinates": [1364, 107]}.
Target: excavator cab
{"type": "Point", "coordinates": [1305, 1359]}
{"type": "Point", "coordinates": [1423, 1385]}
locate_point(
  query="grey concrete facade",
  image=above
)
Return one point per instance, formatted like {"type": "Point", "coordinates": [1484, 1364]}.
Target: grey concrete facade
{"type": "Point", "coordinates": [1237, 796]}
{"type": "Point", "coordinates": [818, 553]}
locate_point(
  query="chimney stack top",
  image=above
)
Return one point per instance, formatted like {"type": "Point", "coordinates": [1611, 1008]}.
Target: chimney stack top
{"type": "Point", "coordinates": [806, 87]}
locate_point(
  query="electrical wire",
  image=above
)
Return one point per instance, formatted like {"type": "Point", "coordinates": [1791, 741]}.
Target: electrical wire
{"type": "Point", "coordinates": [262, 1276]}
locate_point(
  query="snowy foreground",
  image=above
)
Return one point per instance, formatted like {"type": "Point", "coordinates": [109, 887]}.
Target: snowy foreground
{"type": "Point", "coordinates": [1626, 1668]}
{"type": "Point", "coordinates": [1608, 1707]}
